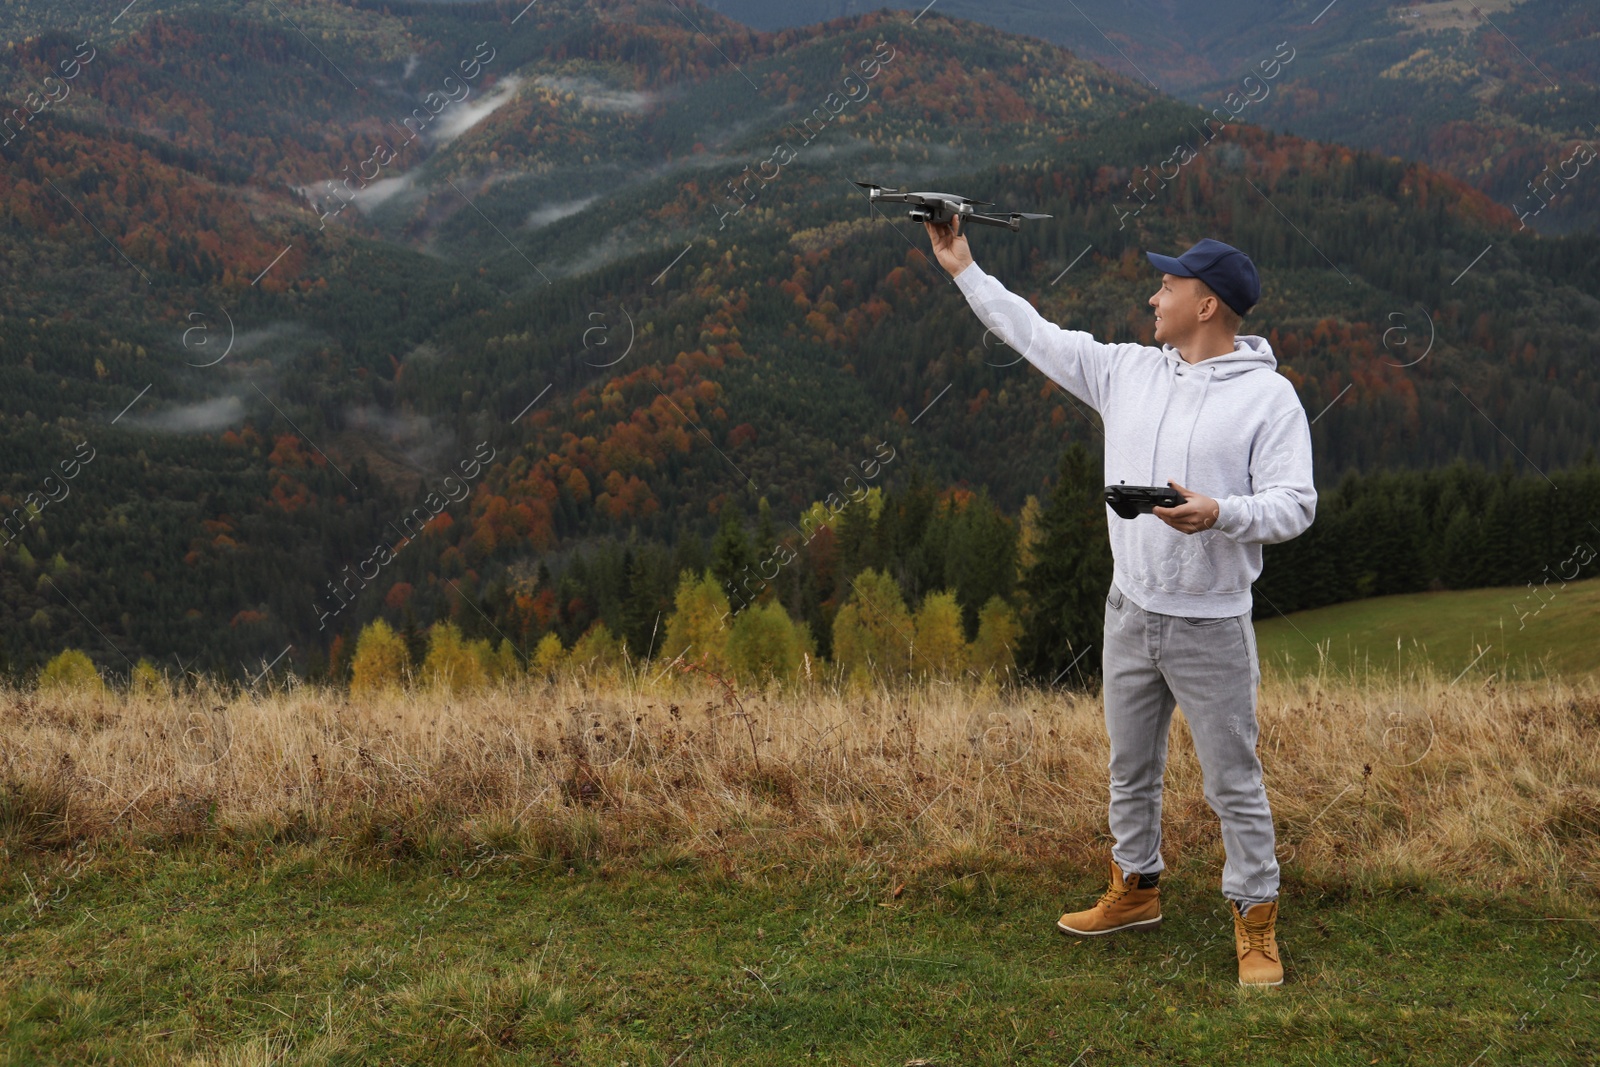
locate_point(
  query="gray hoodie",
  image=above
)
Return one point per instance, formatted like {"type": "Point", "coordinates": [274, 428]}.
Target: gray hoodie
{"type": "Point", "coordinates": [1227, 427]}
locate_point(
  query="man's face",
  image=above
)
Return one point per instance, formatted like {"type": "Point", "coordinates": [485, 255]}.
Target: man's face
{"type": "Point", "coordinates": [1177, 308]}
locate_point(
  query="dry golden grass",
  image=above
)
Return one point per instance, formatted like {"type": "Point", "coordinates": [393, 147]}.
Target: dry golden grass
{"type": "Point", "coordinates": [1494, 785]}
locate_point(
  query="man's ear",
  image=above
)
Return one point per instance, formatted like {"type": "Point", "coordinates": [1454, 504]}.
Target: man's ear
{"type": "Point", "coordinates": [1208, 307]}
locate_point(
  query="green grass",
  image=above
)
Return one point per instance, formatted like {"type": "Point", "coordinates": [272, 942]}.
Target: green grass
{"type": "Point", "coordinates": [1446, 630]}
{"type": "Point", "coordinates": [241, 955]}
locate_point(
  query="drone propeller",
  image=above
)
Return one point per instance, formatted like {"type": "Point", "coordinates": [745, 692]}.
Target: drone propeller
{"type": "Point", "coordinates": [874, 190]}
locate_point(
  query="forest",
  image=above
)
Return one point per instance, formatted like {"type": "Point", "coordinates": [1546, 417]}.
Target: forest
{"type": "Point", "coordinates": [269, 398]}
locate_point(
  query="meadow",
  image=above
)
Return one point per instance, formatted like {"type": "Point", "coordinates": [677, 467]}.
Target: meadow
{"type": "Point", "coordinates": [663, 870]}
{"type": "Point", "coordinates": [1521, 632]}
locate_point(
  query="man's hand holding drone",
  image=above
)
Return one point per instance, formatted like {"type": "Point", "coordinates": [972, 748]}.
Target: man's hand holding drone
{"type": "Point", "coordinates": [950, 245]}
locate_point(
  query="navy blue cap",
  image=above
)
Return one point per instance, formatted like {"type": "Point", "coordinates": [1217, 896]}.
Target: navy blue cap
{"type": "Point", "coordinates": [1228, 272]}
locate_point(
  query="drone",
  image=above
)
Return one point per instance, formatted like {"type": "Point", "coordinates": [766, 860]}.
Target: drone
{"type": "Point", "coordinates": [941, 208]}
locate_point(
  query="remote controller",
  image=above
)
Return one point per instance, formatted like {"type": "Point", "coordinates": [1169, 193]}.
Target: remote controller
{"type": "Point", "coordinates": [1129, 500]}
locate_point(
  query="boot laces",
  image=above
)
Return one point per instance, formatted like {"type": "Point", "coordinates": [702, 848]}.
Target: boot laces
{"type": "Point", "coordinates": [1113, 894]}
{"type": "Point", "coordinates": [1257, 936]}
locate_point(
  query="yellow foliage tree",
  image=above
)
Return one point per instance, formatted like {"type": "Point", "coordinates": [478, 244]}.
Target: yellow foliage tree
{"type": "Point", "coordinates": [872, 632]}
{"type": "Point", "coordinates": [503, 664]}
{"type": "Point", "coordinates": [71, 671]}
{"type": "Point", "coordinates": [998, 630]}
{"type": "Point", "coordinates": [698, 627]}
{"type": "Point", "coordinates": [941, 645]}
{"type": "Point", "coordinates": [453, 663]}
{"type": "Point", "coordinates": [146, 680]}
{"type": "Point", "coordinates": [548, 657]}
{"type": "Point", "coordinates": [598, 650]}
{"type": "Point", "coordinates": [765, 645]}
{"type": "Point", "coordinates": [381, 660]}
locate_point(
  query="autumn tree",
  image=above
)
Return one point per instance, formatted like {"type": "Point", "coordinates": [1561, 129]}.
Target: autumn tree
{"type": "Point", "coordinates": [998, 630]}
{"type": "Point", "coordinates": [698, 626]}
{"type": "Point", "coordinates": [872, 633]}
{"type": "Point", "coordinates": [941, 646]}
{"type": "Point", "coordinates": [381, 660]}
{"type": "Point", "coordinates": [453, 664]}
{"type": "Point", "coordinates": [765, 645]}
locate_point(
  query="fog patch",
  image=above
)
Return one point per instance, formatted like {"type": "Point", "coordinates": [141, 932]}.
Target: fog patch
{"type": "Point", "coordinates": [457, 119]}
{"type": "Point", "coordinates": [214, 414]}
{"type": "Point", "coordinates": [544, 216]}
{"type": "Point", "coordinates": [406, 433]}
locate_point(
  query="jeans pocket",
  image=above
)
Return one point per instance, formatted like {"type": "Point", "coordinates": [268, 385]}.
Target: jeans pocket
{"type": "Point", "coordinates": [1115, 599]}
{"type": "Point", "coordinates": [1207, 622]}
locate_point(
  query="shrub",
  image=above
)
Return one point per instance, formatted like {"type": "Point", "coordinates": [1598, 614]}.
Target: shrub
{"type": "Point", "coordinates": [381, 660]}
{"type": "Point", "coordinates": [71, 671]}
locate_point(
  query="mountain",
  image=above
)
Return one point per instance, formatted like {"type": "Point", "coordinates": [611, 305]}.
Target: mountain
{"type": "Point", "coordinates": [478, 284]}
{"type": "Point", "coordinates": [1497, 94]}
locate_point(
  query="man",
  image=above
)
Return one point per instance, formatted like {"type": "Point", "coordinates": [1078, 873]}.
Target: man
{"type": "Point", "coordinates": [1205, 409]}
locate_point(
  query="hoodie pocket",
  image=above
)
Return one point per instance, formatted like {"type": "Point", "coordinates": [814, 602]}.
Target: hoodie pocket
{"type": "Point", "coordinates": [1187, 566]}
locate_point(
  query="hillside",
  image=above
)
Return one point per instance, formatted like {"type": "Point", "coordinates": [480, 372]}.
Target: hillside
{"type": "Point", "coordinates": [1509, 629]}
{"type": "Point", "coordinates": [557, 276]}
{"type": "Point", "coordinates": [1497, 94]}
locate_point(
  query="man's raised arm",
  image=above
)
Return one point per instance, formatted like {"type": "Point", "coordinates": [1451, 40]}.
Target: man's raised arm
{"type": "Point", "coordinates": [1071, 358]}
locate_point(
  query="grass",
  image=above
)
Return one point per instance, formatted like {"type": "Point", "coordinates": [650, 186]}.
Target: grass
{"type": "Point", "coordinates": [609, 871]}
{"type": "Point", "coordinates": [241, 955]}
{"type": "Point", "coordinates": [1444, 631]}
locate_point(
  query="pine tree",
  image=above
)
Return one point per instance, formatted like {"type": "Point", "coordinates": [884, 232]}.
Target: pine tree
{"type": "Point", "coordinates": [980, 558]}
{"type": "Point", "coordinates": [732, 560]}
{"type": "Point", "coordinates": [641, 608]}
{"type": "Point", "coordinates": [1066, 586]}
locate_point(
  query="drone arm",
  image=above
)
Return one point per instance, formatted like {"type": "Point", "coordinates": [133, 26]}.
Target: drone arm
{"type": "Point", "coordinates": [990, 220]}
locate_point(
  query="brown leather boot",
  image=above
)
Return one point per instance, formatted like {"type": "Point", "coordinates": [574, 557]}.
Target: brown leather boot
{"type": "Point", "coordinates": [1256, 942]}
{"type": "Point", "coordinates": [1124, 906]}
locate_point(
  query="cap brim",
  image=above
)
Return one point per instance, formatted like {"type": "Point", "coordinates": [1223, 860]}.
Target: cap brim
{"type": "Point", "coordinates": [1168, 265]}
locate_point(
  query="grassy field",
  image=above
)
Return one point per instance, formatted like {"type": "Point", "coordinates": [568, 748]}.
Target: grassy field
{"type": "Point", "coordinates": [620, 872]}
{"type": "Point", "coordinates": [1507, 631]}
{"type": "Point", "coordinates": [251, 955]}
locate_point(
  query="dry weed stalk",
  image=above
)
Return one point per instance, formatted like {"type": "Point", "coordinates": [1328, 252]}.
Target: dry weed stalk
{"type": "Point", "coordinates": [1498, 785]}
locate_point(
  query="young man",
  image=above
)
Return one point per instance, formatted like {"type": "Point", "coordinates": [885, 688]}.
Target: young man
{"type": "Point", "coordinates": [1203, 410]}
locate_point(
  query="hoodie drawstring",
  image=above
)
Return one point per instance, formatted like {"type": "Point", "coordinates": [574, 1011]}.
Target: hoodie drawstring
{"type": "Point", "coordinates": [1211, 372]}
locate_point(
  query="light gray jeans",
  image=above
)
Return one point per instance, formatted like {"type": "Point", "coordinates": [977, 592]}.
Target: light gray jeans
{"type": "Point", "coordinates": [1153, 662]}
